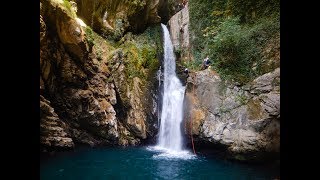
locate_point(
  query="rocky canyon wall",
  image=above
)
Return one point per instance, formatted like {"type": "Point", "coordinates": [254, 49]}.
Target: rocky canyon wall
{"type": "Point", "coordinates": [95, 91]}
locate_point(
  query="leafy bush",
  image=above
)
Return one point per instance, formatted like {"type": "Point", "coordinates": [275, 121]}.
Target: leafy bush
{"type": "Point", "coordinates": [89, 35]}
{"type": "Point", "coordinates": [192, 65]}
{"type": "Point", "coordinates": [234, 51]}
{"type": "Point", "coordinates": [202, 17]}
{"type": "Point", "coordinates": [142, 52]}
{"type": "Point", "coordinates": [233, 33]}
{"type": "Point", "coordinates": [99, 54]}
{"type": "Point", "coordinates": [68, 6]}
{"type": "Point", "coordinates": [237, 47]}
{"type": "Point", "coordinates": [250, 10]}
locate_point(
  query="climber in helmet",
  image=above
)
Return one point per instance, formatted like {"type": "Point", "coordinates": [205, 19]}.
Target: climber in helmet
{"type": "Point", "coordinates": [205, 63]}
{"type": "Point", "coordinates": [186, 71]}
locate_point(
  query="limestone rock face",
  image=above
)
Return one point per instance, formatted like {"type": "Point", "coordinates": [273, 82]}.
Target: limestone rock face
{"type": "Point", "coordinates": [53, 130]}
{"type": "Point", "coordinates": [72, 78]}
{"type": "Point", "coordinates": [42, 29]}
{"type": "Point", "coordinates": [244, 119]}
{"type": "Point", "coordinates": [135, 96]}
{"type": "Point", "coordinates": [179, 32]}
{"type": "Point", "coordinates": [92, 101]}
{"type": "Point", "coordinates": [131, 99]}
{"type": "Point", "coordinates": [168, 8]}
{"type": "Point", "coordinates": [62, 20]}
{"type": "Point", "coordinates": [136, 117]}
{"type": "Point", "coordinates": [114, 17]}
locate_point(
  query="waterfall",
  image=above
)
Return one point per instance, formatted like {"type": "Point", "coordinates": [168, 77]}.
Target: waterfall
{"type": "Point", "coordinates": [170, 135]}
{"type": "Point", "coordinates": [159, 85]}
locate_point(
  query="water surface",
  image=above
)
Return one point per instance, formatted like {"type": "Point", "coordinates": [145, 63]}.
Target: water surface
{"type": "Point", "coordinates": [145, 163]}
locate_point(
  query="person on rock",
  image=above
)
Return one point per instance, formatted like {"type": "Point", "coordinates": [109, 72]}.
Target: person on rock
{"type": "Point", "coordinates": [206, 63]}
{"type": "Point", "coordinates": [181, 29]}
{"type": "Point", "coordinates": [186, 71]}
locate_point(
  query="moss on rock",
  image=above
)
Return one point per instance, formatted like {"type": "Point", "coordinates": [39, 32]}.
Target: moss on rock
{"type": "Point", "coordinates": [141, 53]}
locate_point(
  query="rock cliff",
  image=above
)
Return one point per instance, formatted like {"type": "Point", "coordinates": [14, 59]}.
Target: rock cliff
{"type": "Point", "coordinates": [179, 32]}
{"type": "Point", "coordinates": [243, 119]}
{"type": "Point", "coordinates": [94, 91]}
{"type": "Point", "coordinates": [113, 18]}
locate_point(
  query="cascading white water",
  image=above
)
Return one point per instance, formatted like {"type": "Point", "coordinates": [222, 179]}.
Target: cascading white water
{"type": "Point", "coordinates": [170, 136]}
{"type": "Point", "coordinates": [159, 79]}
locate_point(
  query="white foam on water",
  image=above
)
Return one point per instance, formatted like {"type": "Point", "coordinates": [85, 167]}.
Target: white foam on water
{"type": "Point", "coordinates": [168, 154]}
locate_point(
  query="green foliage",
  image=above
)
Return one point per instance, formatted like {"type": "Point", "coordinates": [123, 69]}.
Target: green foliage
{"type": "Point", "coordinates": [234, 51]}
{"type": "Point", "coordinates": [223, 110]}
{"type": "Point", "coordinates": [133, 5]}
{"type": "Point", "coordinates": [89, 35]}
{"type": "Point", "coordinates": [192, 65]}
{"type": "Point", "coordinates": [142, 52]}
{"type": "Point", "coordinates": [242, 99]}
{"type": "Point", "coordinates": [153, 36]}
{"type": "Point", "coordinates": [138, 3]}
{"type": "Point", "coordinates": [99, 54]}
{"type": "Point", "coordinates": [100, 44]}
{"type": "Point", "coordinates": [262, 32]}
{"type": "Point", "coordinates": [118, 29]}
{"type": "Point", "coordinates": [177, 51]}
{"type": "Point", "coordinates": [133, 62]}
{"type": "Point", "coordinates": [68, 6]}
{"type": "Point", "coordinates": [233, 34]}
{"type": "Point", "coordinates": [149, 57]}
{"type": "Point", "coordinates": [250, 10]}
{"type": "Point", "coordinates": [237, 47]}
{"type": "Point", "coordinates": [201, 19]}
{"type": "Point", "coordinates": [118, 32]}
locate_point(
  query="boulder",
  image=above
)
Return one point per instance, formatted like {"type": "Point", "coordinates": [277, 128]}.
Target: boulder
{"type": "Point", "coordinates": [245, 120]}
